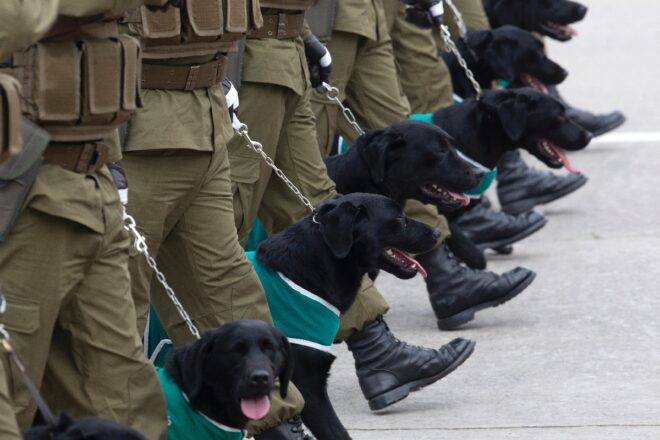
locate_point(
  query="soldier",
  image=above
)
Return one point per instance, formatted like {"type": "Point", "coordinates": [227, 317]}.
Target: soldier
{"type": "Point", "coordinates": [179, 191]}
{"type": "Point", "coordinates": [275, 104]}
{"type": "Point", "coordinates": [63, 264]}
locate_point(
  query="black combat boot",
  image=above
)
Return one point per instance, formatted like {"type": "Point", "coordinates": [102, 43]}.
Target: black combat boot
{"type": "Point", "coordinates": [458, 292]}
{"type": "Point", "coordinates": [597, 124]}
{"type": "Point", "coordinates": [492, 229]}
{"type": "Point", "coordinates": [388, 369]}
{"type": "Point", "coordinates": [292, 429]}
{"type": "Point", "coordinates": [520, 187]}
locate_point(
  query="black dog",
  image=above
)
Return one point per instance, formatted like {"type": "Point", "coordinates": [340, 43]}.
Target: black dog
{"type": "Point", "coordinates": [89, 428]}
{"type": "Point", "coordinates": [508, 53]}
{"type": "Point", "coordinates": [503, 120]}
{"type": "Point", "coordinates": [548, 17]}
{"type": "Point", "coordinates": [327, 254]}
{"type": "Point", "coordinates": [227, 375]}
{"type": "Point", "coordinates": [407, 160]}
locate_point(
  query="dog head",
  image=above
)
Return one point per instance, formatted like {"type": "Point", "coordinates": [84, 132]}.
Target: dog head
{"type": "Point", "coordinates": [536, 122]}
{"type": "Point", "coordinates": [373, 232]}
{"type": "Point", "coordinates": [229, 373]}
{"type": "Point", "coordinates": [86, 428]}
{"type": "Point", "coordinates": [414, 160]}
{"type": "Point", "coordinates": [513, 54]}
{"type": "Point", "coordinates": [548, 17]}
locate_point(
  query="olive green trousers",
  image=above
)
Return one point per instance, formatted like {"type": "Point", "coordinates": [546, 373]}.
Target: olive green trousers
{"type": "Point", "coordinates": [70, 311]}
{"type": "Point", "coordinates": [8, 426]}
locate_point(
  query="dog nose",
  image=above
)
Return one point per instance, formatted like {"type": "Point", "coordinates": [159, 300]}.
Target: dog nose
{"type": "Point", "coordinates": [564, 74]}
{"type": "Point", "coordinates": [581, 10]}
{"type": "Point", "coordinates": [478, 174]}
{"type": "Point", "coordinates": [259, 377]}
{"type": "Point", "coordinates": [586, 137]}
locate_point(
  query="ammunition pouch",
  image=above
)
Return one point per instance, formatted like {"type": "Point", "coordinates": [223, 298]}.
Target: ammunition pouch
{"type": "Point", "coordinates": [79, 90]}
{"type": "Point", "coordinates": [198, 28]}
{"type": "Point", "coordinates": [321, 19]}
{"type": "Point", "coordinates": [291, 5]}
{"type": "Point", "coordinates": [10, 117]}
{"type": "Point", "coordinates": [280, 26]}
{"type": "Point", "coordinates": [18, 174]}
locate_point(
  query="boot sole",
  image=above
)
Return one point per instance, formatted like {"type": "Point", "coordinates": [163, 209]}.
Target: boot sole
{"type": "Point", "coordinates": [514, 239]}
{"type": "Point", "coordinates": [616, 124]}
{"type": "Point", "coordinates": [467, 315]}
{"type": "Point", "coordinates": [525, 205]}
{"type": "Point", "coordinates": [401, 392]}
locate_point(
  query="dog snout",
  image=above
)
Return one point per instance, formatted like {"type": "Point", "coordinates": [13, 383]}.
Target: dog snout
{"type": "Point", "coordinates": [585, 137]}
{"type": "Point", "coordinates": [478, 175]}
{"type": "Point", "coordinates": [260, 377]}
{"type": "Point", "coordinates": [580, 10]}
{"type": "Point", "coordinates": [563, 74]}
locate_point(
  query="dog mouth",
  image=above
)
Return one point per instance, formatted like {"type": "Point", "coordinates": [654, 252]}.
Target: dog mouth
{"type": "Point", "coordinates": [404, 261]}
{"type": "Point", "coordinates": [534, 82]}
{"type": "Point", "coordinates": [255, 408]}
{"type": "Point", "coordinates": [445, 196]}
{"type": "Point", "coordinates": [561, 32]}
{"type": "Point", "coordinates": [556, 155]}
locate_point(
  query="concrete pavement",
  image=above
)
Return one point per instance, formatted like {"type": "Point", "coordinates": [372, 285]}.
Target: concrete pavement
{"type": "Point", "coordinates": [576, 356]}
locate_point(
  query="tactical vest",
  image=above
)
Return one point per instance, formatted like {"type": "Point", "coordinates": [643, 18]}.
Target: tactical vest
{"type": "Point", "coordinates": [198, 28]}
{"type": "Point", "coordinates": [10, 117]}
{"type": "Point", "coordinates": [81, 81]}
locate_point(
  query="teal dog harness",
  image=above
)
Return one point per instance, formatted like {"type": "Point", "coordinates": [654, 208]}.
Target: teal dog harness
{"type": "Point", "coordinates": [184, 423]}
{"type": "Point", "coordinates": [305, 318]}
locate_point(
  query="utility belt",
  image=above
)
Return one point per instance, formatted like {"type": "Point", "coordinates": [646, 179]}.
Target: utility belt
{"type": "Point", "coordinates": [79, 90]}
{"type": "Point", "coordinates": [175, 77]}
{"type": "Point", "coordinates": [280, 26]}
{"type": "Point", "coordinates": [79, 157]}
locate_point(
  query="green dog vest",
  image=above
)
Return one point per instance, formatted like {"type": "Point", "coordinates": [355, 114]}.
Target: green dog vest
{"type": "Point", "coordinates": [184, 423]}
{"type": "Point", "coordinates": [305, 318]}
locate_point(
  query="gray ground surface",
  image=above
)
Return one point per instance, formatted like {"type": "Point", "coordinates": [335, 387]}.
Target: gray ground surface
{"type": "Point", "coordinates": [577, 355]}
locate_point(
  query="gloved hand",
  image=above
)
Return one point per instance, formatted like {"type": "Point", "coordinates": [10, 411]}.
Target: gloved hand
{"type": "Point", "coordinates": [231, 96]}
{"type": "Point", "coordinates": [121, 182]}
{"type": "Point", "coordinates": [319, 62]}
{"type": "Point", "coordinates": [424, 13]}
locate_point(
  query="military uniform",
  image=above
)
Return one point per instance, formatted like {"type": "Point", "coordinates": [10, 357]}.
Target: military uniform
{"type": "Point", "coordinates": [63, 266]}
{"type": "Point", "coordinates": [176, 161]}
{"type": "Point", "coordinates": [473, 14]}
{"type": "Point", "coordinates": [8, 427]}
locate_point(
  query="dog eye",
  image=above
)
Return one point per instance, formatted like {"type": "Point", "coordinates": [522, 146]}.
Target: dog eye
{"type": "Point", "coordinates": [240, 347]}
{"type": "Point", "coordinates": [266, 345]}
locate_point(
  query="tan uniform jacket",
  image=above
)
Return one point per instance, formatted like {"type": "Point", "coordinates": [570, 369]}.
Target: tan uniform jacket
{"type": "Point", "coordinates": [361, 17]}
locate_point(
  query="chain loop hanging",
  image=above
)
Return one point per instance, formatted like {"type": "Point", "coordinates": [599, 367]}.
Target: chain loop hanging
{"type": "Point", "coordinates": [141, 246]}
{"type": "Point", "coordinates": [460, 23]}
{"type": "Point", "coordinates": [450, 46]}
{"type": "Point", "coordinates": [332, 93]}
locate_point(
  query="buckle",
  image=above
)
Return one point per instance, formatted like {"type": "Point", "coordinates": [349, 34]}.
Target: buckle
{"type": "Point", "coordinates": [281, 25]}
{"type": "Point", "coordinates": [191, 80]}
{"type": "Point", "coordinates": [92, 157]}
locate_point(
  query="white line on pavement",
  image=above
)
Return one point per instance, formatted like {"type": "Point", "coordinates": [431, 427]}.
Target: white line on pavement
{"type": "Point", "coordinates": [629, 137]}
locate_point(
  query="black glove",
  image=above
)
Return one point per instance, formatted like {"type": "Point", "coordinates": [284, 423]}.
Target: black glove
{"type": "Point", "coordinates": [319, 62]}
{"type": "Point", "coordinates": [424, 13]}
{"type": "Point", "coordinates": [231, 96]}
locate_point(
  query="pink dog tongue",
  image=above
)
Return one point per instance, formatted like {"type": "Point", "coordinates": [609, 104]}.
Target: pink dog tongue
{"type": "Point", "coordinates": [255, 408]}
{"type": "Point", "coordinates": [564, 160]}
{"type": "Point", "coordinates": [569, 30]}
{"type": "Point", "coordinates": [411, 261]}
{"type": "Point", "coordinates": [461, 198]}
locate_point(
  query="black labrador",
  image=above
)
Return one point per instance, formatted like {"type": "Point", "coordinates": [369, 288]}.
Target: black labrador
{"type": "Point", "coordinates": [551, 18]}
{"type": "Point", "coordinates": [88, 428]}
{"type": "Point", "coordinates": [502, 120]}
{"type": "Point", "coordinates": [407, 160]}
{"type": "Point", "coordinates": [229, 373]}
{"type": "Point", "coordinates": [328, 253]}
{"type": "Point", "coordinates": [507, 53]}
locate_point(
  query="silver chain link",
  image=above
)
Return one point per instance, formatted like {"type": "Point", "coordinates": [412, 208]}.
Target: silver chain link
{"type": "Point", "coordinates": [258, 148]}
{"type": "Point", "coordinates": [450, 46]}
{"type": "Point", "coordinates": [462, 29]}
{"type": "Point", "coordinates": [332, 93]}
{"type": "Point", "coordinates": [141, 246]}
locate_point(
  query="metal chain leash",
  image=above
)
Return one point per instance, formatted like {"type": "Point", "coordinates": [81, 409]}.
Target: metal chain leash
{"type": "Point", "coordinates": [45, 411]}
{"type": "Point", "coordinates": [332, 93]}
{"type": "Point", "coordinates": [462, 29]}
{"type": "Point", "coordinates": [450, 46]}
{"type": "Point", "coordinates": [141, 246]}
{"type": "Point", "coordinates": [258, 148]}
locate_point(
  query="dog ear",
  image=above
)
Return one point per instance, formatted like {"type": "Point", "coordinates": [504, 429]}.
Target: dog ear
{"type": "Point", "coordinates": [512, 113]}
{"type": "Point", "coordinates": [497, 57]}
{"type": "Point", "coordinates": [478, 40]}
{"type": "Point", "coordinates": [286, 364]}
{"type": "Point", "coordinates": [376, 146]}
{"type": "Point", "coordinates": [198, 352]}
{"type": "Point", "coordinates": [336, 226]}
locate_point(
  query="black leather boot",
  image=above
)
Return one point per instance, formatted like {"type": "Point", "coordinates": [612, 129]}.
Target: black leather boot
{"type": "Point", "coordinates": [291, 429]}
{"type": "Point", "coordinates": [388, 369]}
{"type": "Point", "coordinates": [520, 187]}
{"type": "Point", "coordinates": [597, 124]}
{"type": "Point", "coordinates": [458, 292]}
{"type": "Point", "coordinates": [492, 229]}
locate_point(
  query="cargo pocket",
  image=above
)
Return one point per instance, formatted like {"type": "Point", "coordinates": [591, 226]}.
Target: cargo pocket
{"type": "Point", "coordinates": [161, 26]}
{"type": "Point", "coordinates": [205, 20]}
{"type": "Point", "coordinates": [236, 16]}
{"type": "Point", "coordinates": [257, 18]}
{"type": "Point", "coordinates": [10, 117]}
{"type": "Point", "coordinates": [244, 175]}
{"type": "Point", "coordinates": [102, 81]}
{"type": "Point", "coordinates": [58, 85]}
{"type": "Point", "coordinates": [130, 78]}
